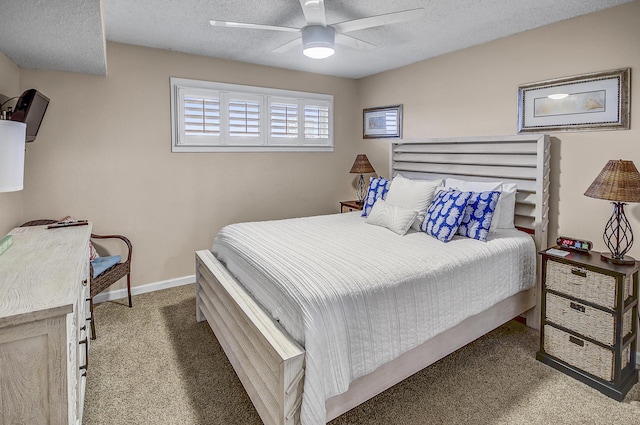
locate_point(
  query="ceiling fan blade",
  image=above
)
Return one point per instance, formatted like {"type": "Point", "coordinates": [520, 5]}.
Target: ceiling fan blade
{"type": "Point", "coordinates": [314, 12]}
{"type": "Point", "coordinates": [354, 43]}
{"type": "Point", "coordinates": [246, 25]}
{"type": "Point", "coordinates": [379, 20]}
{"type": "Point", "coordinates": [288, 46]}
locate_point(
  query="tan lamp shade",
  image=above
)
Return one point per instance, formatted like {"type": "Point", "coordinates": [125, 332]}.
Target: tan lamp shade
{"type": "Point", "coordinates": [618, 181]}
{"type": "Point", "coordinates": [362, 165]}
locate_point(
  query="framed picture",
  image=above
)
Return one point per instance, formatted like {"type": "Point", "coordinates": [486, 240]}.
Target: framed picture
{"type": "Point", "coordinates": [596, 101]}
{"type": "Point", "coordinates": [382, 123]}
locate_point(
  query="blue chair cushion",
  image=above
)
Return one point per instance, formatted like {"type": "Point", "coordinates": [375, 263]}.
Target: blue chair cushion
{"type": "Point", "coordinates": [101, 264]}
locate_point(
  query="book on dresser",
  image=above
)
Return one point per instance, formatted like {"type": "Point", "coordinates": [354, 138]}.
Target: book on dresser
{"type": "Point", "coordinates": [44, 287]}
{"type": "Point", "coordinates": [589, 323]}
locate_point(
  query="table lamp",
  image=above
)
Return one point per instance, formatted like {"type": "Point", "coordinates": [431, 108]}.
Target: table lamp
{"type": "Point", "coordinates": [361, 166]}
{"type": "Point", "coordinates": [619, 181]}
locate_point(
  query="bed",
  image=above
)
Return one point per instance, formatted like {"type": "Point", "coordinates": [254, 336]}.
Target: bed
{"type": "Point", "coordinates": [270, 361]}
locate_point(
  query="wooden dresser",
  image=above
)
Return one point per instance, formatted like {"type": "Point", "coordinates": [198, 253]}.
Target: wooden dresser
{"type": "Point", "coordinates": [44, 286]}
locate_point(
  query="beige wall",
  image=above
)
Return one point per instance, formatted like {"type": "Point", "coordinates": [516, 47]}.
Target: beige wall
{"type": "Point", "coordinates": [104, 153]}
{"type": "Point", "coordinates": [474, 92]}
{"type": "Point", "coordinates": [10, 202]}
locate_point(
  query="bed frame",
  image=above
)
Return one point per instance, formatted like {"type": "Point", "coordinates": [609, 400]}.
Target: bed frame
{"type": "Point", "coordinates": [270, 364]}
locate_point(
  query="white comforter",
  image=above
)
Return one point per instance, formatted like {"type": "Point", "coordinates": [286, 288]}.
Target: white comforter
{"type": "Point", "coordinates": [357, 296]}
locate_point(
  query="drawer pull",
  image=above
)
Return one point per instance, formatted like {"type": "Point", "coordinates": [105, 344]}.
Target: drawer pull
{"type": "Point", "coordinates": [576, 341]}
{"type": "Point", "coordinates": [86, 353]}
{"type": "Point", "coordinates": [579, 272]}
{"type": "Point", "coordinates": [577, 307]}
{"type": "Point", "coordinates": [84, 282]}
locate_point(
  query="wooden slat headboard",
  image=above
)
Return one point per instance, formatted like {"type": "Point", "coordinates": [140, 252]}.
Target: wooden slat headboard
{"type": "Point", "coordinates": [520, 159]}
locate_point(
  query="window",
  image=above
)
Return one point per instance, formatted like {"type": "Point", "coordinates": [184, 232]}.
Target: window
{"type": "Point", "coordinates": [215, 117]}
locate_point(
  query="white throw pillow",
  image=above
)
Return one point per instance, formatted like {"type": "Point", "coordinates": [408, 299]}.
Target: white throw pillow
{"type": "Point", "coordinates": [505, 211]}
{"type": "Point", "coordinates": [393, 217]}
{"type": "Point", "coordinates": [410, 194]}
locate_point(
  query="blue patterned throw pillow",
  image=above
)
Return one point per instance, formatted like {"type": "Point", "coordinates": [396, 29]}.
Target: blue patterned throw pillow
{"type": "Point", "coordinates": [478, 214]}
{"type": "Point", "coordinates": [378, 188]}
{"type": "Point", "coordinates": [445, 214]}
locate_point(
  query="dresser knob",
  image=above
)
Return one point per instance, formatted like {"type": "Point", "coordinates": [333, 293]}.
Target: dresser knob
{"type": "Point", "coordinates": [576, 341]}
{"type": "Point", "coordinates": [577, 307]}
{"type": "Point", "coordinates": [579, 272]}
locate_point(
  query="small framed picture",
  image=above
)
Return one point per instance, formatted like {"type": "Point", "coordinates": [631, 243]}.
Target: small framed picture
{"type": "Point", "coordinates": [596, 101]}
{"type": "Point", "coordinates": [382, 123]}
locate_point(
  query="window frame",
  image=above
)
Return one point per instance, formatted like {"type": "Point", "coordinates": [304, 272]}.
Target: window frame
{"type": "Point", "coordinates": [265, 142]}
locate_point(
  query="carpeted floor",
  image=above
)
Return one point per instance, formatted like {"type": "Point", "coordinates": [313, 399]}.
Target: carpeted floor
{"type": "Point", "coordinates": [154, 364]}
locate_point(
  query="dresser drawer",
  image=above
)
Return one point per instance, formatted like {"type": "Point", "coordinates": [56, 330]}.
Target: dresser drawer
{"type": "Point", "coordinates": [586, 320]}
{"type": "Point", "coordinates": [587, 285]}
{"type": "Point", "coordinates": [582, 354]}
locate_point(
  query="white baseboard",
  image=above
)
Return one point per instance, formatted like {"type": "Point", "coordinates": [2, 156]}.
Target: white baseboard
{"type": "Point", "coordinates": [149, 287]}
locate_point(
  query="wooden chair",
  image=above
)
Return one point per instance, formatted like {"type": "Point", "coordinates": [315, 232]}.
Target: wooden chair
{"type": "Point", "coordinates": [107, 277]}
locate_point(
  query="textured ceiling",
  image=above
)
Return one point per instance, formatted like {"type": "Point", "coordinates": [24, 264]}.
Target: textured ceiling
{"type": "Point", "coordinates": [69, 35]}
{"type": "Point", "coordinates": [62, 35]}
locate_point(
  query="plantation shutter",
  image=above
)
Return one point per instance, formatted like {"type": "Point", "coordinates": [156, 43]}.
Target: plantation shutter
{"type": "Point", "coordinates": [219, 117]}
{"type": "Point", "coordinates": [244, 118]}
{"type": "Point", "coordinates": [316, 122]}
{"type": "Point", "coordinates": [201, 116]}
{"type": "Point", "coordinates": [284, 119]}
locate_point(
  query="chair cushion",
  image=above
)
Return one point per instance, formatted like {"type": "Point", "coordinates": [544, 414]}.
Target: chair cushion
{"type": "Point", "coordinates": [101, 264]}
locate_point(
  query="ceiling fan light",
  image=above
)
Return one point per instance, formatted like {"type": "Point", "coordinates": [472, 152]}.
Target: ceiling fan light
{"type": "Point", "coordinates": [318, 41]}
{"type": "Point", "coordinates": [318, 52]}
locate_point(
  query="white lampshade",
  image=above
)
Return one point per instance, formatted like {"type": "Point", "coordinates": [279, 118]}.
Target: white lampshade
{"type": "Point", "coordinates": [12, 144]}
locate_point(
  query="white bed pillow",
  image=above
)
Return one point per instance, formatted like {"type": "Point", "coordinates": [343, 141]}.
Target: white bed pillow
{"type": "Point", "coordinates": [505, 211]}
{"type": "Point", "coordinates": [410, 194]}
{"type": "Point", "coordinates": [507, 206]}
{"type": "Point", "coordinates": [393, 217]}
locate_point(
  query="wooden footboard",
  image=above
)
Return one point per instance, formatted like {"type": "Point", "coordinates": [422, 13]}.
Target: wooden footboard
{"type": "Point", "coordinates": [268, 362]}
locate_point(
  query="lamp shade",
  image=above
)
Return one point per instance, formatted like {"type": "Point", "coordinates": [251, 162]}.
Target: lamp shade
{"type": "Point", "coordinates": [362, 165]}
{"type": "Point", "coordinates": [12, 144]}
{"type": "Point", "coordinates": [618, 181]}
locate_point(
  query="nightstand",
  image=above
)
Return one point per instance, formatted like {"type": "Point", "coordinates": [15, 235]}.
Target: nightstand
{"type": "Point", "coordinates": [348, 206]}
{"type": "Point", "coordinates": [589, 321]}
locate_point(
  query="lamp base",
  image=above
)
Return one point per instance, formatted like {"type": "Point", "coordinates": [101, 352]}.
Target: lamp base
{"type": "Point", "coordinates": [625, 261]}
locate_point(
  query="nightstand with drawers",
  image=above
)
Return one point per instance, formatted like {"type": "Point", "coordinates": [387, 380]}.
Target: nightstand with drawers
{"type": "Point", "coordinates": [589, 321]}
{"type": "Point", "coordinates": [349, 206]}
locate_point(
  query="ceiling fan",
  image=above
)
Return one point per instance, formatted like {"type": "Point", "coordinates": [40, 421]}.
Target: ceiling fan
{"type": "Point", "coordinates": [318, 39]}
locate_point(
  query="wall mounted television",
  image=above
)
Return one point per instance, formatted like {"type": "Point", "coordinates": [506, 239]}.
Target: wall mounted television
{"type": "Point", "coordinates": [30, 110]}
